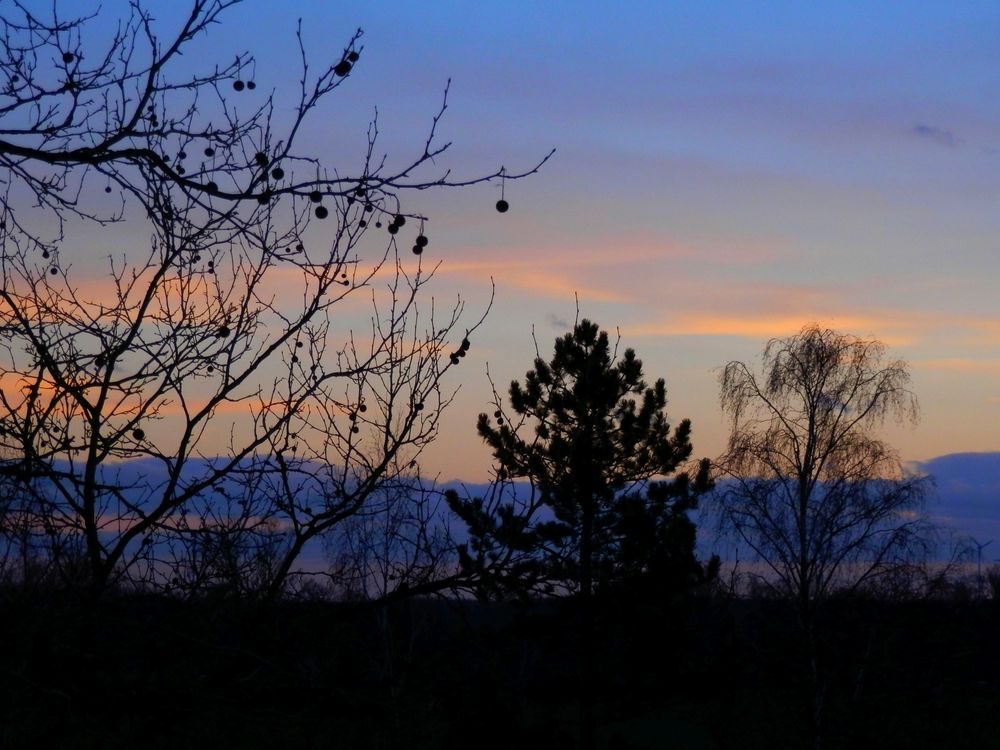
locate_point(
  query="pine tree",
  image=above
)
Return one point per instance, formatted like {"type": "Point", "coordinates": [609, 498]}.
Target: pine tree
{"type": "Point", "coordinates": [602, 515]}
{"type": "Point", "coordinates": [599, 440]}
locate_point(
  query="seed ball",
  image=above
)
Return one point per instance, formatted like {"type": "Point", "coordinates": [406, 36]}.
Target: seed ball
{"type": "Point", "coordinates": [422, 240]}
{"type": "Point", "coordinates": [399, 220]}
{"type": "Point", "coordinates": [417, 250]}
{"type": "Point", "coordinates": [315, 196]}
{"type": "Point", "coordinates": [502, 206]}
{"type": "Point", "coordinates": [353, 56]}
{"type": "Point", "coordinates": [45, 253]}
{"type": "Point", "coordinates": [238, 85]}
{"type": "Point", "coordinates": [419, 406]}
{"type": "Point", "coordinates": [300, 247]}
{"type": "Point", "coordinates": [180, 169]}
{"type": "Point", "coordinates": [299, 344]}
{"type": "Point", "coordinates": [260, 158]}
{"type": "Point", "coordinates": [378, 224]}
{"type": "Point", "coordinates": [223, 332]}
{"type": "Point", "coordinates": [355, 429]}
{"type": "Point", "coordinates": [497, 414]}
{"type": "Point", "coordinates": [393, 229]}
{"type": "Point", "coordinates": [362, 223]}
{"type": "Point", "coordinates": [277, 173]}
{"type": "Point", "coordinates": [138, 434]}
{"type": "Point", "coordinates": [251, 85]}
{"type": "Point", "coordinates": [342, 68]}
{"type": "Point", "coordinates": [465, 345]}
{"type": "Point", "coordinates": [182, 155]}
{"type": "Point", "coordinates": [210, 369]}
{"type": "Point", "coordinates": [213, 187]}
{"type": "Point", "coordinates": [107, 189]}
{"type": "Point", "coordinates": [264, 197]}
{"type": "Point", "coordinates": [454, 359]}
{"type": "Point", "coordinates": [499, 422]}
{"type": "Point", "coordinates": [67, 57]}
{"type": "Point", "coordinates": [295, 358]}
{"type": "Point", "coordinates": [321, 212]}
{"type": "Point", "coordinates": [362, 408]}
{"type": "Point", "coordinates": [53, 270]}
{"type": "Point", "coordinates": [209, 151]}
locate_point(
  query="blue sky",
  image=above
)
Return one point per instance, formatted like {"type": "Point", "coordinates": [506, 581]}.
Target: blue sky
{"type": "Point", "coordinates": [726, 172]}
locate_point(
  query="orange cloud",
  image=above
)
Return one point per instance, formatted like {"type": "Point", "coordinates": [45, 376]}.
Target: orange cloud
{"type": "Point", "coordinates": [761, 325]}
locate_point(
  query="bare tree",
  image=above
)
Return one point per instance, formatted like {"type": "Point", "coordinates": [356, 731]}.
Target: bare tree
{"type": "Point", "coordinates": [225, 318]}
{"type": "Point", "coordinates": [808, 487]}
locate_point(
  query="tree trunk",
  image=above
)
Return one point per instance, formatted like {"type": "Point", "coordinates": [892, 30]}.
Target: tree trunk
{"type": "Point", "coordinates": [587, 657]}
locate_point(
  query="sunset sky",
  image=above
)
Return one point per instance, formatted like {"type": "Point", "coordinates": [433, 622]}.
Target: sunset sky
{"type": "Point", "coordinates": [725, 173]}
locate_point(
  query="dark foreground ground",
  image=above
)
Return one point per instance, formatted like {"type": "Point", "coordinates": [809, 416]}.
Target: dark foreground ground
{"type": "Point", "coordinates": [140, 672]}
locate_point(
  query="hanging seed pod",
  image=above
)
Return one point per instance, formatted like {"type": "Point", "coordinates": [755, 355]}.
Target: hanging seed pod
{"type": "Point", "coordinates": [353, 56]}
{"type": "Point", "coordinates": [213, 187]}
{"type": "Point", "coordinates": [342, 68]}
{"type": "Point", "coordinates": [260, 158]}
{"type": "Point", "coordinates": [138, 434]}
{"type": "Point", "coordinates": [502, 206]}
{"type": "Point", "coordinates": [278, 173]}
{"type": "Point", "coordinates": [321, 212]}
{"type": "Point", "coordinates": [238, 84]}
{"type": "Point", "coordinates": [422, 240]}
{"type": "Point", "coordinates": [209, 151]}
{"type": "Point", "coordinates": [251, 85]}
{"type": "Point", "coordinates": [67, 57]}
{"type": "Point", "coordinates": [223, 332]}
{"type": "Point", "coordinates": [315, 196]}
{"type": "Point", "coordinates": [417, 250]}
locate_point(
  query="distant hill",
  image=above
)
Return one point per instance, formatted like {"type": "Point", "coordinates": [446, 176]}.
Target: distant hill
{"type": "Point", "coordinates": [967, 496]}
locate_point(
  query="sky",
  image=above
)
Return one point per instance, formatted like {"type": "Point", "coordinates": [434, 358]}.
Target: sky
{"type": "Point", "coordinates": [724, 174]}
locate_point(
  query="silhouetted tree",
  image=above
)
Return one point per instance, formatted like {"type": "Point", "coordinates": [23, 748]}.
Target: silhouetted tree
{"type": "Point", "coordinates": [591, 438]}
{"type": "Point", "coordinates": [222, 324]}
{"type": "Point", "coordinates": [822, 502]}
